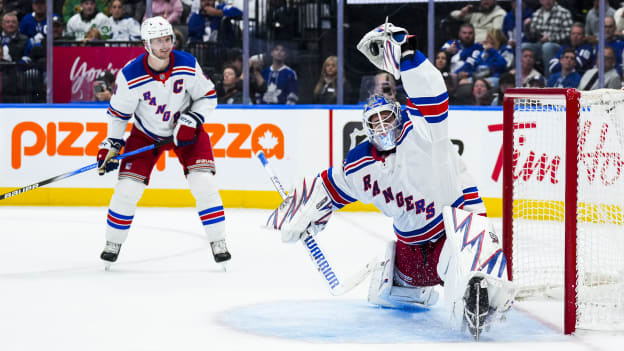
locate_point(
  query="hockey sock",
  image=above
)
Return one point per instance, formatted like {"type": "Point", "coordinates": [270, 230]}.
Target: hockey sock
{"type": "Point", "coordinates": [209, 204]}
{"type": "Point", "coordinates": [121, 210]}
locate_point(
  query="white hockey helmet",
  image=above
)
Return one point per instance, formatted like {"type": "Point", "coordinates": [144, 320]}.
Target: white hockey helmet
{"type": "Point", "coordinates": [384, 131]}
{"type": "Point", "coordinates": [155, 27]}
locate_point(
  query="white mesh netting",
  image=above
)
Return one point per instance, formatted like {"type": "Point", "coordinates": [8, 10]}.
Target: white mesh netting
{"type": "Point", "coordinates": [538, 198]}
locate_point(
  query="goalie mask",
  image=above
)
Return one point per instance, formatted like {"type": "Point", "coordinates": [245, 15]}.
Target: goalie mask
{"type": "Point", "coordinates": [155, 27]}
{"type": "Point", "coordinates": [382, 122]}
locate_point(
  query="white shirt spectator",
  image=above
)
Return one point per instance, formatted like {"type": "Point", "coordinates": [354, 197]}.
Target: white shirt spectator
{"type": "Point", "coordinates": [125, 29]}
{"type": "Point", "coordinates": [78, 28]}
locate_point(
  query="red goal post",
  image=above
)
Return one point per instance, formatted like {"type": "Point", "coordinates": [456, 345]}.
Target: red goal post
{"type": "Point", "coordinates": [563, 221]}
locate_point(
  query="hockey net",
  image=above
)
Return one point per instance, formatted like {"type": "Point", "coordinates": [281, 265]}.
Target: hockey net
{"type": "Point", "coordinates": [563, 200]}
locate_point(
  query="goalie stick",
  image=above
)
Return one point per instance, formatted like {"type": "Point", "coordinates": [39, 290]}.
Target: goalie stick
{"type": "Point", "coordinates": [81, 170]}
{"type": "Point", "coordinates": [336, 285]}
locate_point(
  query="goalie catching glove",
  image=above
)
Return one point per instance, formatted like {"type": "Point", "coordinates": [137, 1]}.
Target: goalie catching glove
{"type": "Point", "coordinates": [385, 45]}
{"type": "Point", "coordinates": [185, 131]}
{"type": "Point", "coordinates": [306, 209]}
{"type": "Point", "coordinates": [109, 148]}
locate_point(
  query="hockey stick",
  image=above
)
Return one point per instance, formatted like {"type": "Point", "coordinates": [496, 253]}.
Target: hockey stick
{"type": "Point", "coordinates": [81, 170]}
{"type": "Point", "coordinates": [336, 286]}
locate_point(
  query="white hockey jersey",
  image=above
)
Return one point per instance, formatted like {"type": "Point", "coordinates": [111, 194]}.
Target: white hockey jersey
{"type": "Point", "coordinates": [156, 99]}
{"type": "Point", "coordinates": [125, 29]}
{"type": "Point", "coordinates": [78, 28]}
{"type": "Point", "coordinates": [423, 175]}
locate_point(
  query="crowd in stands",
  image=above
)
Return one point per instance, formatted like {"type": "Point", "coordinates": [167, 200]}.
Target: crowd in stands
{"type": "Point", "coordinates": [558, 46]}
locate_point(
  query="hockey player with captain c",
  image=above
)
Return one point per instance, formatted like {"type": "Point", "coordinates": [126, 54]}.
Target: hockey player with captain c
{"type": "Point", "coordinates": [169, 96]}
{"type": "Point", "coordinates": [410, 171]}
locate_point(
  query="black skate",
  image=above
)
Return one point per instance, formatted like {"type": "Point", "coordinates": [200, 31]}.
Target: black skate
{"type": "Point", "coordinates": [476, 306]}
{"type": "Point", "coordinates": [220, 251]}
{"type": "Point", "coordinates": [111, 251]}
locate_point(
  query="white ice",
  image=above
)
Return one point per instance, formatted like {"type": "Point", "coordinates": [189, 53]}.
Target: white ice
{"type": "Point", "coordinates": [166, 293]}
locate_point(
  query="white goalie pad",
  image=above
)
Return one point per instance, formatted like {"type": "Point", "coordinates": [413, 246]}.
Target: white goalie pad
{"type": "Point", "coordinates": [383, 292]}
{"type": "Point", "coordinates": [472, 248]}
{"type": "Point", "coordinates": [307, 208]}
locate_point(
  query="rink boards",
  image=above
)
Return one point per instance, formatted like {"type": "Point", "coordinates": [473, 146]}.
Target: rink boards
{"type": "Point", "coordinates": [45, 141]}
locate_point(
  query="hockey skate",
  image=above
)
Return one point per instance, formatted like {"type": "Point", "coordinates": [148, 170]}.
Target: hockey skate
{"type": "Point", "coordinates": [110, 253]}
{"type": "Point", "coordinates": [220, 252]}
{"type": "Point", "coordinates": [476, 306]}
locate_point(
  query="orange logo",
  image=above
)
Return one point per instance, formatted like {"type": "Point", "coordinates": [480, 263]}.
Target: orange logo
{"type": "Point", "coordinates": [267, 137]}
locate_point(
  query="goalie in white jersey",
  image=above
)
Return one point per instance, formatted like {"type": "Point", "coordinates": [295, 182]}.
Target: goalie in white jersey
{"type": "Point", "coordinates": [411, 172]}
{"type": "Point", "coordinates": [169, 96]}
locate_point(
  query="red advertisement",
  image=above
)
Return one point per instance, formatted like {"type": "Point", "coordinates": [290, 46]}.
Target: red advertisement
{"type": "Point", "coordinates": [75, 69]}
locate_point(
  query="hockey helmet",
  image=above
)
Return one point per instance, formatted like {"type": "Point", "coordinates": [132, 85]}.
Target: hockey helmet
{"type": "Point", "coordinates": [155, 27]}
{"type": "Point", "coordinates": [382, 121]}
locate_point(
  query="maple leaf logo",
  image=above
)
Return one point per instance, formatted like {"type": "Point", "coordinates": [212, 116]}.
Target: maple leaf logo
{"type": "Point", "coordinates": [267, 141]}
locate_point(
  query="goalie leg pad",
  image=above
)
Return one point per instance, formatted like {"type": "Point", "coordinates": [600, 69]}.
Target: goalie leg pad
{"type": "Point", "coordinates": [472, 249]}
{"type": "Point", "coordinates": [122, 208]}
{"type": "Point", "coordinates": [383, 290]}
{"type": "Point", "coordinates": [208, 203]}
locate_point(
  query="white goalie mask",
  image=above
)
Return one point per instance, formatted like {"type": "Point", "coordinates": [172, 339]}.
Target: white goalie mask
{"type": "Point", "coordinates": [155, 27]}
{"type": "Point", "coordinates": [382, 122]}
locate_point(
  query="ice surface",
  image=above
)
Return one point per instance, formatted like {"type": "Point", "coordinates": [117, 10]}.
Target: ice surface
{"type": "Point", "coordinates": [166, 293]}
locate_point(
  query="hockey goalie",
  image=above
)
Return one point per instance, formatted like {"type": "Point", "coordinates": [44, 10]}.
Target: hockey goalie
{"type": "Point", "coordinates": [410, 171]}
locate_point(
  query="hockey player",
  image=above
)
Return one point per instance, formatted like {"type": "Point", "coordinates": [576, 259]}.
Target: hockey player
{"type": "Point", "coordinates": [410, 171]}
{"type": "Point", "coordinates": [169, 96]}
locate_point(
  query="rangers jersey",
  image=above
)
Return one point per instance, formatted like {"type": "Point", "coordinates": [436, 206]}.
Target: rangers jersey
{"type": "Point", "coordinates": [156, 99]}
{"type": "Point", "coordinates": [423, 175]}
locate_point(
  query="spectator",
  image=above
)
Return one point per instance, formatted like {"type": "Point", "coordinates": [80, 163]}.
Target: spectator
{"type": "Point", "coordinates": [92, 35]}
{"type": "Point", "coordinates": [179, 40]}
{"type": "Point", "coordinates": [386, 86]}
{"type": "Point", "coordinates": [281, 80]}
{"type": "Point", "coordinates": [103, 86]}
{"type": "Point", "coordinates": [171, 10]}
{"type": "Point", "coordinates": [204, 26]}
{"type": "Point", "coordinates": [38, 53]}
{"type": "Point", "coordinates": [592, 21]}
{"type": "Point", "coordinates": [443, 64]}
{"type": "Point", "coordinates": [547, 30]}
{"type": "Point", "coordinates": [257, 84]}
{"type": "Point", "coordinates": [33, 24]}
{"type": "Point", "coordinates": [488, 16]}
{"type": "Point", "coordinates": [506, 81]}
{"type": "Point", "coordinates": [614, 41]}
{"type": "Point", "coordinates": [15, 49]}
{"type": "Point", "coordinates": [567, 77]}
{"type": "Point", "coordinates": [481, 93]}
{"type": "Point", "coordinates": [585, 56]}
{"type": "Point", "coordinates": [509, 23]}
{"type": "Point", "coordinates": [124, 28]}
{"type": "Point", "coordinates": [230, 89]}
{"type": "Point", "coordinates": [72, 7]}
{"type": "Point", "coordinates": [491, 63]}
{"type": "Point", "coordinates": [15, 46]}
{"type": "Point", "coordinates": [88, 18]}
{"type": "Point", "coordinates": [463, 51]}
{"type": "Point", "coordinates": [497, 39]}
{"type": "Point", "coordinates": [527, 64]}
{"type": "Point", "coordinates": [612, 79]}
{"type": "Point", "coordinates": [325, 90]}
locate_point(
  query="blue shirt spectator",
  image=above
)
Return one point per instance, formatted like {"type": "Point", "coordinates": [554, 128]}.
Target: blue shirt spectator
{"type": "Point", "coordinates": [33, 25]}
{"type": "Point", "coordinates": [567, 77]}
{"type": "Point", "coordinates": [585, 52]}
{"type": "Point", "coordinates": [281, 80]}
{"type": "Point", "coordinates": [509, 22]}
{"type": "Point", "coordinates": [464, 51]}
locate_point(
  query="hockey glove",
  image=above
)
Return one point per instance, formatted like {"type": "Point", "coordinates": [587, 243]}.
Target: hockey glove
{"type": "Point", "coordinates": [185, 130]}
{"type": "Point", "coordinates": [109, 148]}
{"type": "Point", "coordinates": [307, 208]}
{"type": "Point", "coordinates": [382, 47]}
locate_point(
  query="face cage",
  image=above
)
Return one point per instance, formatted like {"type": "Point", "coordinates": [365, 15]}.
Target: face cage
{"type": "Point", "coordinates": [384, 138]}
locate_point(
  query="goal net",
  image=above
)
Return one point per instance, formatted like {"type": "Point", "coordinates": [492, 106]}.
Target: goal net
{"type": "Point", "coordinates": [563, 200]}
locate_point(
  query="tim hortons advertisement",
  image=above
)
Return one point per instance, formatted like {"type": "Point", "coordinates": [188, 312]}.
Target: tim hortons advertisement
{"type": "Point", "coordinates": [43, 143]}
{"type": "Point", "coordinates": [75, 69]}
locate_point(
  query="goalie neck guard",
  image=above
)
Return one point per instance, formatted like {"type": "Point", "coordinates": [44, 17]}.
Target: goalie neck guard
{"type": "Point", "coordinates": [155, 27]}
{"type": "Point", "coordinates": [382, 122]}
